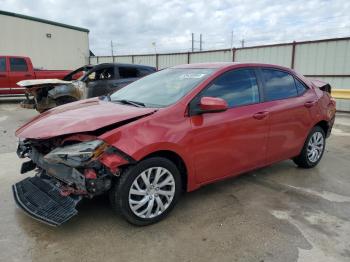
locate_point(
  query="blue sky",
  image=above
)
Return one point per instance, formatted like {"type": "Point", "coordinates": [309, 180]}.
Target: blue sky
{"type": "Point", "coordinates": [134, 25]}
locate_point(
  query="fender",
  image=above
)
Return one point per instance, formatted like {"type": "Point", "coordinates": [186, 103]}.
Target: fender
{"type": "Point", "coordinates": [153, 134]}
{"type": "Point", "coordinates": [65, 90]}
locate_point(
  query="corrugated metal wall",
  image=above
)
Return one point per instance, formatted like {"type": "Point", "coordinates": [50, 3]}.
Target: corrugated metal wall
{"type": "Point", "coordinates": [213, 56]}
{"type": "Point", "coordinates": [279, 55]}
{"type": "Point", "coordinates": [149, 60]}
{"type": "Point", "coordinates": [323, 58]}
{"type": "Point", "coordinates": [327, 60]}
{"type": "Point", "coordinates": [165, 61]}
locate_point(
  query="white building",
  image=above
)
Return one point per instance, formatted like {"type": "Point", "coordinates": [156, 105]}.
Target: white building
{"type": "Point", "coordinates": [50, 45]}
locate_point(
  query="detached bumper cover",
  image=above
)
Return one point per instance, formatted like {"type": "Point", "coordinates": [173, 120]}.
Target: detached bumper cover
{"type": "Point", "coordinates": [42, 200]}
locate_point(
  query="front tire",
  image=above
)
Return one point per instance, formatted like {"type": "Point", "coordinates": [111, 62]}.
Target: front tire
{"type": "Point", "coordinates": [147, 192]}
{"type": "Point", "coordinates": [313, 149]}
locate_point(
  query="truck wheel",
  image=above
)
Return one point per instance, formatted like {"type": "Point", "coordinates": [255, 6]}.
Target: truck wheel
{"type": "Point", "coordinates": [313, 149]}
{"type": "Point", "coordinates": [147, 192]}
{"type": "Point", "coordinates": [65, 100]}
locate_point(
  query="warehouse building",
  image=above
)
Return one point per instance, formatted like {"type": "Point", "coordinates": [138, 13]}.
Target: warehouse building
{"type": "Point", "coordinates": [50, 45]}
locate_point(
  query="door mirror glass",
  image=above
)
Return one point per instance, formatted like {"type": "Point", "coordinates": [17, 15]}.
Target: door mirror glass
{"type": "Point", "coordinates": [212, 104]}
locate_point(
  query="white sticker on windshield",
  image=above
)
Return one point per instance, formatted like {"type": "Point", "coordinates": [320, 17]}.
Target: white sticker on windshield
{"type": "Point", "coordinates": [191, 76]}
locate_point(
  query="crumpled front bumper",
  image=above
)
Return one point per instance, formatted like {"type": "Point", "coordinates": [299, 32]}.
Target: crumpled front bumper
{"type": "Point", "coordinates": [43, 201]}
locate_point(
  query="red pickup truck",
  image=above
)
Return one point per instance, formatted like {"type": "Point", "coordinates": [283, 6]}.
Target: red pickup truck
{"type": "Point", "coordinates": [16, 68]}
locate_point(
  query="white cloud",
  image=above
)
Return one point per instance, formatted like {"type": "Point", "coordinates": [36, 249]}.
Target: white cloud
{"type": "Point", "coordinates": [134, 24]}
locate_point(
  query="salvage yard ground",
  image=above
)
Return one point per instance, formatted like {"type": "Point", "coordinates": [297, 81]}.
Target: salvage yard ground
{"type": "Point", "coordinates": [278, 213]}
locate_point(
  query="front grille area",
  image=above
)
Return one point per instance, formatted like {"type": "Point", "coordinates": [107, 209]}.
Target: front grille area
{"type": "Point", "coordinates": [43, 201]}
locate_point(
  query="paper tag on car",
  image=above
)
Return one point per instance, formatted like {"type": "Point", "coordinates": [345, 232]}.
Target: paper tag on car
{"type": "Point", "coordinates": [189, 76]}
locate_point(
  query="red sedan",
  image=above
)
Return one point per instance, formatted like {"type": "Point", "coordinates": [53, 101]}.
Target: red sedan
{"type": "Point", "coordinates": [172, 131]}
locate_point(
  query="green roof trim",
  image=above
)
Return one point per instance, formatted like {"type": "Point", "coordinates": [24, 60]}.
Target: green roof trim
{"type": "Point", "coordinates": [43, 21]}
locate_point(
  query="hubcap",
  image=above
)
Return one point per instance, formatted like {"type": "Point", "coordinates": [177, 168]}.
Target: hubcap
{"type": "Point", "coordinates": [315, 147]}
{"type": "Point", "coordinates": [152, 192]}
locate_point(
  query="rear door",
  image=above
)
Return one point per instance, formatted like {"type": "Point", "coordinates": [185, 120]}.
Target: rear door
{"type": "Point", "coordinates": [18, 70]}
{"type": "Point", "coordinates": [4, 81]}
{"type": "Point", "coordinates": [234, 141]}
{"type": "Point", "coordinates": [290, 104]}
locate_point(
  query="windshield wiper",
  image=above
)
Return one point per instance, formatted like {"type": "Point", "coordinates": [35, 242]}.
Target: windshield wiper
{"type": "Point", "coordinates": [130, 102]}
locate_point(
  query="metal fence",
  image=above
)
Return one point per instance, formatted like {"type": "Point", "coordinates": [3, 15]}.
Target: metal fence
{"type": "Point", "coordinates": [327, 60]}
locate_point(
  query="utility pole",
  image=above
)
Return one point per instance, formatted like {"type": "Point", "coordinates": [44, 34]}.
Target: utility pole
{"type": "Point", "coordinates": [112, 51]}
{"type": "Point", "coordinates": [192, 42]}
{"type": "Point", "coordinates": [231, 39]}
{"type": "Point", "coordinates": [242, 42]}
{"type": "Point", "coordinates": [200, 42]}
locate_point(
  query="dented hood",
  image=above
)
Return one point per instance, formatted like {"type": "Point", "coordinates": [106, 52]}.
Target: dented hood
{"type": "Point", "coordinates": [42, 82]}
{"type": "Point", "coordinates": [77, 117]}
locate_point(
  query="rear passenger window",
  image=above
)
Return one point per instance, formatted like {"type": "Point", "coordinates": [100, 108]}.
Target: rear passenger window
{"type": "Point", "coordinates": [238, 88]}
{"type": "Point", "coordinates": [18, 65]}
{"type": "Point", "coordinates": [278, 85]}
{"type": "Point", "coordinates": [128, 72]}
{"type": "Point", "coordinates": [300, 87]}
{"type": "Point", "coordinates": [2, 64]}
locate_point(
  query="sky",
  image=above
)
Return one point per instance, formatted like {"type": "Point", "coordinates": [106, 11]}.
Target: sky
{"type": "Point", "coordinates": [149, 26]}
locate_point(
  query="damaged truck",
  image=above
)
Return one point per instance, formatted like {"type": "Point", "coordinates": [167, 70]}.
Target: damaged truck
{"type": "Point", "coordinates": [99, 80]}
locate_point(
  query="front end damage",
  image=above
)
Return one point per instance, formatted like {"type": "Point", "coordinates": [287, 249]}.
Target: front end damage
{"type": "Point", "coordinates": [67, 169]}
{"type": "Point", "coordinates": [45, 94]}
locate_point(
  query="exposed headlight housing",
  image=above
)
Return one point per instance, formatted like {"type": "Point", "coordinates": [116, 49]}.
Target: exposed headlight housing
{"type": "Point", "coordinates": [75, 155]}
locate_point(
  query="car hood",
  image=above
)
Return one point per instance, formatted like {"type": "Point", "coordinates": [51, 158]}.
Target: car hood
{"type": "Point", "coordinates": [42, 82]}
{"type": "Point", "coordinates": [82, 116]}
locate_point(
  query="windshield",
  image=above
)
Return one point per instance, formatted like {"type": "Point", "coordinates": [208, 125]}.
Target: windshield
{"type": "Point", "coordinates": [162, 88]}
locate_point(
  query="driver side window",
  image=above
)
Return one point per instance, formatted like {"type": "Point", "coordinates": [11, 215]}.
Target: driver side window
{"type": "Point", "coordinates": [102, 74]}
{"type": "Point", "coordinates": [237, 87]}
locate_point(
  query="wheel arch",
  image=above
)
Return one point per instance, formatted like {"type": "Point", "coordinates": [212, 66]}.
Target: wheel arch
{"type": "Point", "coordinates": [324, 125]}
{"type": "Point", "coordinates": [64, 91]}
{"type": "Point", "coordinates": [177, 160]}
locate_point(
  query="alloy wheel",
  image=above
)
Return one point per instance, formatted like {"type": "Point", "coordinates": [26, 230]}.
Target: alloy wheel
{"type": "Point", "coordinates": [315, 147]}
{"type": "Point", "coordinates": [152, 192]}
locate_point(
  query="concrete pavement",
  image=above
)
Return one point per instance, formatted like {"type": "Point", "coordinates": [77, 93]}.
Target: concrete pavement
{"type": "Point", "coordinates": [278, 213]}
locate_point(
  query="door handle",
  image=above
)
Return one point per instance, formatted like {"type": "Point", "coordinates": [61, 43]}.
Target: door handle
{"type": "Point", "coordinates": [261, 115]}
{"type": "Point", "coordinates": [309, 104]}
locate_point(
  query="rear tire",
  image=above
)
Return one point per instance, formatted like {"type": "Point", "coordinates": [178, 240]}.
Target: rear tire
{"type": "Point", "coordinates": [313, 149]}
{"type": "Point", "coordinates": [147, 192]}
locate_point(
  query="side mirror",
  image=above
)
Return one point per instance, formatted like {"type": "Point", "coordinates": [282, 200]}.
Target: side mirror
{"type": "Point", "coordinates": [212, 104]}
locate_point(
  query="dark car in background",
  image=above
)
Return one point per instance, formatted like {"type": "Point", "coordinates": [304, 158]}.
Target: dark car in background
{"type": "Point", "coordinates": [99, 80]}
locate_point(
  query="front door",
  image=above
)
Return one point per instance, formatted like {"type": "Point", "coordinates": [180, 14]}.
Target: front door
{"type": "Point", "coordinates": [234, 141]}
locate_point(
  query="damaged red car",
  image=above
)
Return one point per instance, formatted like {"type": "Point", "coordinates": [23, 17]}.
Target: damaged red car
{"type": "Point", "coordinates": [169, 132]}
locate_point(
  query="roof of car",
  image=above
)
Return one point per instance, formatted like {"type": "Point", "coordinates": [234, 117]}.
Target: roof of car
{"type": "Point", "coordinates": [220, 65]}
{"type": "Point", "coordinates": [102, 65]}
